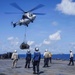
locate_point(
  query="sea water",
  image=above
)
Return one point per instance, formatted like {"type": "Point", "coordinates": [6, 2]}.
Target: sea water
{"type": "Point", "coordinates": [54, 56]}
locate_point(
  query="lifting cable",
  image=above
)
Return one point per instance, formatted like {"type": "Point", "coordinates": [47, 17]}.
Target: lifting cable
{"type": "Point", "coordinates": [25, 41]}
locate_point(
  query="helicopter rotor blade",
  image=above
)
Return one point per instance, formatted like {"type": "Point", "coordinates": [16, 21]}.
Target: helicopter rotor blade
{"type": "Point", "coordinates": [13, 13]}
{"type": "Point", "coordinates": [39, 13]}
{"type": "Point", "coordinates": [37, 7]}
{"type": "Point", "coordinates": [17, 6]}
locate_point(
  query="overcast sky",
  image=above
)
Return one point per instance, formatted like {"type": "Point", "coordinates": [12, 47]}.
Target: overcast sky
{"type": "Point", "coordinates": [54, 31]}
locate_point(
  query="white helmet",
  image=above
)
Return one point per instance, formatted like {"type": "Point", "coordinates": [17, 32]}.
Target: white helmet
{"type": "Point", "coordinates": [15, 51]}
{"type": "Point", "coordinates": [36, 49]}
{"type": "Point", "coordinates": [28, 50]}
{"type": "Point", "coordinates": [46, 50]}
{"type": "Point", "coordinates": [70, 50]}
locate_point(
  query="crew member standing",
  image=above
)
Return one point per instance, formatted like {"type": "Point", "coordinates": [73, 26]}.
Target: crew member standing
{"type": "Point", "coordinates": [36, 61]}
{"type": "Point", "coordinates": [14, 57]}
{"type": "Point", "coordinates": [50, 57]}
{"type": "Point", "coordinates": [28, 59]}
{"type": "Point", "coordinates": [71, 58]}
{"type": "Point", "coordinates": [46, 58]}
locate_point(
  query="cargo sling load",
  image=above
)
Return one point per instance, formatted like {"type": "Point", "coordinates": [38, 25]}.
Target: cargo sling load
{"type": "Point", "coordinates": [24, 44]}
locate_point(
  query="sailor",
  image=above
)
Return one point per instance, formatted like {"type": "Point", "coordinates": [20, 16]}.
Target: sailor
{"type": "Point", "coordinates": [46, 58]}
{"type": "Point", "coordinates": [50, 57]}
{"type": "Point", "coordinates": [36, 61]}
{"type": "Point", "coordinates": [14, 57]}
{"type": "Point", "coordinates": [28, 59]}
{"type": "Point", "coordinates": [71, 58]}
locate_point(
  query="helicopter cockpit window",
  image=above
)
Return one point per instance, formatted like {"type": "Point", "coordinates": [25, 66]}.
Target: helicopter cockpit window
{"type": "Point", "coordinates": [30, 15]}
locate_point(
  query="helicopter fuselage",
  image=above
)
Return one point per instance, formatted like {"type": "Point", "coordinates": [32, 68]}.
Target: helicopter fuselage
{"type": "Point", "coordinates": [26, 19]}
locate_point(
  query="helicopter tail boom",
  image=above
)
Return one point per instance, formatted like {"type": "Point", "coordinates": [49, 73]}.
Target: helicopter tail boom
{"type": "Point", "coordinates": [14, 24]}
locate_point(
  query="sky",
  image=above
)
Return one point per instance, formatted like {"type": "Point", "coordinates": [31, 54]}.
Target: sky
{"type": "Point", "coordinates": [54, 31]}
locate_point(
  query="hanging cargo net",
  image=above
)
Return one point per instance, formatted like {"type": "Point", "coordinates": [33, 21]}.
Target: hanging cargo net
{"type": "Point", "coordinates": [24, 44]}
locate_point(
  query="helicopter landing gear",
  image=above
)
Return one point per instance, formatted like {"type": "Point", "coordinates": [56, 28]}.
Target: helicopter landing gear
{"type": "Point", "coordinates": [27, 25]}
{"type": "Point", "coordinates": [14, 25]}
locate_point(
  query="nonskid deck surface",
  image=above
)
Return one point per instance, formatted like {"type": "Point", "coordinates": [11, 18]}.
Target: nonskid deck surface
{"type": "Point", "coordinates": [57, 67]}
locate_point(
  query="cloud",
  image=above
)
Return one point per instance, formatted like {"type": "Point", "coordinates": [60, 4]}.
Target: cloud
{"type": "Point", "coordinates": [55, 36]}
{"type": "Point", "coordinates": [72, 45]}
{"type": "Point", "coordinates": [54, 23]}
{"type": "Point", "coordinates": [66, 7]}
{"type": "Point", "coordinates": [51, 39]}
{"type": "Point", "coordinates": [47, 42]}
{"type": "Point", "coordinates": [10, 38]}
{"type": "Point", "coordinates": [38, 45]}
{"type": "Point", "coordinates": [30, 42]}
{"type": "Point", "coordinates": [13, 40]}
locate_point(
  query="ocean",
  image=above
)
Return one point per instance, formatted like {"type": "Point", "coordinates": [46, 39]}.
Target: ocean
{"type": "Point", "coordinates": [54, 56]}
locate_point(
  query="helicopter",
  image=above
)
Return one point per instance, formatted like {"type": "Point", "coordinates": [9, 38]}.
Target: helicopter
{"type": "Point", "coordinates": [27, 17]}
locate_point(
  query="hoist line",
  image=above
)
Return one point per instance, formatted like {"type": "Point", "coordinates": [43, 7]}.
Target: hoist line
{"type": "Point", "coordinates": [25, 41]}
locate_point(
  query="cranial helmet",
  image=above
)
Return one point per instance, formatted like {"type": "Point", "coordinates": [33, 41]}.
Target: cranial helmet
{"type": "Point", "coordinates": [70, 50]}
{"type": "Point", "coordinates": [46, 50]}
{"type": "Point", "coordinates": [15, 51]}
{"type": "Point", "coordinates": [36, 49]}
{"type": "Point", "coordinates": [28, 50]}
